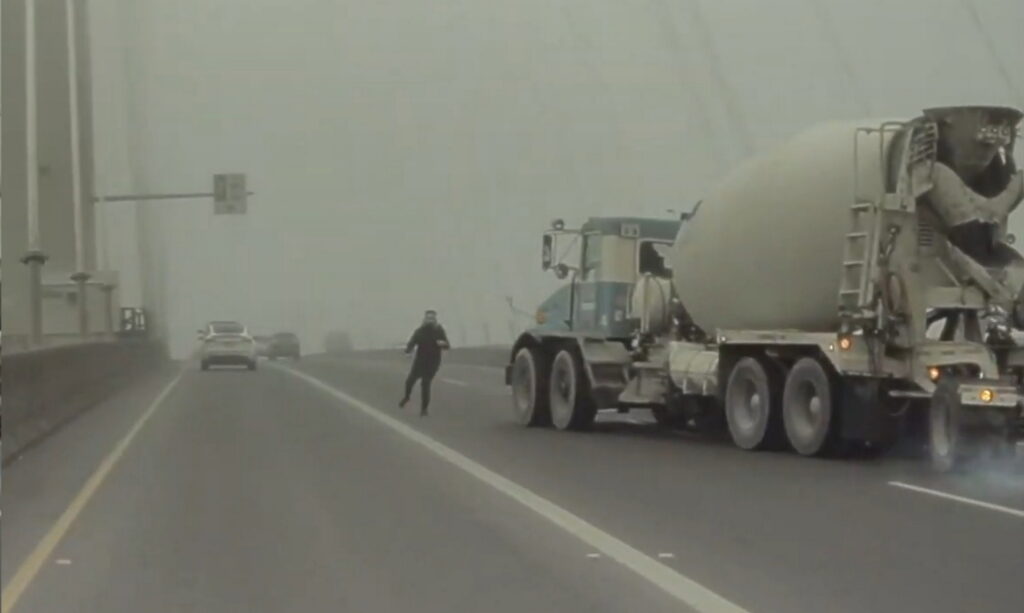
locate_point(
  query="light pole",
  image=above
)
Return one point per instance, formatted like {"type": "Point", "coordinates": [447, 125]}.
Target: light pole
{"type": "Point", "coordinates": [108, 299]}
{"type": "Point", "coordinates": [34, 256]}
{"type": "Point", "coordinates": [80, 276]}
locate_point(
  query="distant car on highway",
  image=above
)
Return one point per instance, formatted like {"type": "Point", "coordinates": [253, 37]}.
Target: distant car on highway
{"type": "Point", "coordinates": [284, 345]}
{"type": "Point", "coordinates": [262, 344]}
{"type": "Point", "coordinates": [227, 343]}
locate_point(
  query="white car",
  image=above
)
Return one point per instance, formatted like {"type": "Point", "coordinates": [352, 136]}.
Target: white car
{"type": "Point", "coordinates": [227, 342]}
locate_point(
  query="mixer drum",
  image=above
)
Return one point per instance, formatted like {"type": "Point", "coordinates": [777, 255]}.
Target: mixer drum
{"type": "Point", "coordinates": [765, 249]}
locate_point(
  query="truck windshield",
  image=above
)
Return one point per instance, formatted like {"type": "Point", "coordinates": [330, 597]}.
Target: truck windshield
{"type": "Point", "coordinates": [653, 259]}
{"type": "Point", "coordinates": [591, 255]}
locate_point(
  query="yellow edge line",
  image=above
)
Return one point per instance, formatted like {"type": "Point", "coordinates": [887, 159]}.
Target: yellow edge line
{"type": "Point", "coordinates": [32, 564]}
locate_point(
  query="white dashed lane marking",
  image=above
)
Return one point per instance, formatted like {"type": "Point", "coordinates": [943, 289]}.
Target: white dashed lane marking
{"type": "Point", "coordinates": [961, 499]}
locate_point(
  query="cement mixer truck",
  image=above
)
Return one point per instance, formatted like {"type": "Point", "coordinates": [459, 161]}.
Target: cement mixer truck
{"type": "Point", "coordinates": [821, 298]}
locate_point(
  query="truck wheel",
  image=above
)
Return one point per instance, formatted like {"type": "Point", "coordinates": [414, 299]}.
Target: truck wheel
{"type": "Point", "coordinates": [571, 405]}
{"type": "Point", "coordinates": [946, 445]}
{"type": "Point", "coordinates": [808, 408]}
{"type": "Point", "coordinates": [752, 405]}
{"type": "Point", "coordinates": [530, 387]}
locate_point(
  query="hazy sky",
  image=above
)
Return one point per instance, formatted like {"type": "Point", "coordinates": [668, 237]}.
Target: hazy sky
{"type": "Point", "coordinates": [407, 154]}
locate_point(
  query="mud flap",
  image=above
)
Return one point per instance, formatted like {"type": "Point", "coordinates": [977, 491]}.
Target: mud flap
{"type": "Point", "coordinates": [866, 414]}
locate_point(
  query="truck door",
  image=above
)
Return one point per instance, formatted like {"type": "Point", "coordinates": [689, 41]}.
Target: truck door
{"type": "Point", "coordinates": [586, 303]}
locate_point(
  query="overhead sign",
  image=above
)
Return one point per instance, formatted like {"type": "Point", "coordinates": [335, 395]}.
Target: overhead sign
{"type": "Point", "coordinates": [229, 194]}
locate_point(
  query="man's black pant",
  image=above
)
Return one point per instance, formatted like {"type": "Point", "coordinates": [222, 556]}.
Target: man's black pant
{"type": "Point", "coordinates": [425, 375]}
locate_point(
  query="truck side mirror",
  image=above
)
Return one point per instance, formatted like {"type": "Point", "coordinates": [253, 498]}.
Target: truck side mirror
{"type": "Point", "coordinates": [547, 252]}
{"type": "Point", "coordinates": [561, 271]}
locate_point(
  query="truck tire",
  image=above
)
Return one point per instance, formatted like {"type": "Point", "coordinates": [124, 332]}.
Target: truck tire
{"type": "Point", "coordinates": [572, 408]}
{"type": "Point", "coordinates": [948, 445]}
{"type": "Point", "coordinates": [530, 387]}
{"type": "Point", "coordinates": [944, 444]}
{"type": "Point", "coordinates": [753, 405]}
{"type": "Point", "coordinates": [809, 408]}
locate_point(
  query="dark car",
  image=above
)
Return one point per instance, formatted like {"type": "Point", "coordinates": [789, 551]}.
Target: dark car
{"type": "Point", "coordinates": [262, 344]}
{"type": "Point", "coordinates": [284, 345]}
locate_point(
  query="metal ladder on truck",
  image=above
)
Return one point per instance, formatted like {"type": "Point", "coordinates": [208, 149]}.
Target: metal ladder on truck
{"type": "Point", "coordinates": [862, 244]}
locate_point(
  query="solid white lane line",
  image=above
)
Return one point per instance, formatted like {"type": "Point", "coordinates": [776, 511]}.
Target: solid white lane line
{"type": "Point", "coordinates": [971, 501]}
{"type": "Point", "coordinates": [698, 597]}
{"type": "Point", "coordinates": [28, 570]}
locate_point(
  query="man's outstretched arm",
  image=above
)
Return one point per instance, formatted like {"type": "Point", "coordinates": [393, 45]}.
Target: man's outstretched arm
{"type": "Point", "coordinates": [443, 340]}
{"type": "Point", "coordinates": [413, 341]}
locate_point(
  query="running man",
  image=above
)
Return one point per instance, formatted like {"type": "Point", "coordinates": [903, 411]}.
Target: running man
{"type": "Point", "coordinates": [428, 340]}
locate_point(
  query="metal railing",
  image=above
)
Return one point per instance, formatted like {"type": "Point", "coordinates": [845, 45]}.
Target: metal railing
{"type": "Point", "coordinates": [20, 343]}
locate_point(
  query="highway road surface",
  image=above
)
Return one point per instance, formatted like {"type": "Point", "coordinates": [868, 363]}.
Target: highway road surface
{"type": "Point", "coordinates": [303, 488]}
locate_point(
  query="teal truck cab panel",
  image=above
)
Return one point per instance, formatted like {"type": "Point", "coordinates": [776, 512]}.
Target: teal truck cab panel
{"type": "Point", "coordinates": [613, 253]}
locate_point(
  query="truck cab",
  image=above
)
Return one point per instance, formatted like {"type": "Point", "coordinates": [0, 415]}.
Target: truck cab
{"type": "Point", "coordinates": [607, 257]}
{"type": "Point", "coordinates": [576, 360]}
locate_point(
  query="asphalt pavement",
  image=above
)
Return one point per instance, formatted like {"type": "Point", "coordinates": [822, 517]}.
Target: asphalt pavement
{"type": "Point", "coordinates": [303, 487]}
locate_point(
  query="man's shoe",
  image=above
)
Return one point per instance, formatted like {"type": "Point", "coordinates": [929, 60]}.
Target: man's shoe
{"type": "Point", "coordinates": [403, 402]}
{"type": "Point", "coordinates": [423, 412]}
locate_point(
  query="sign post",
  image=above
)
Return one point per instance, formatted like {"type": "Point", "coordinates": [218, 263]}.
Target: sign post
{"type": "Point", "coordinates": [229, 194]}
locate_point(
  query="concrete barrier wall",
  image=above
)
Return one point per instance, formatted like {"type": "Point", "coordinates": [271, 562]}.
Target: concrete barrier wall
{"type": "Point", "coordinates": [493, 356]}
{"type": "Point", "coordinates": [497, 357]}
{"type": "Point", "coordinates": [45, 388]}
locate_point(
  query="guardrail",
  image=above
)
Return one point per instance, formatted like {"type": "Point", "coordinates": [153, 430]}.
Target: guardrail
{"type": "Point", "coordinates": [45, 388]}
{"type": "Point", "coordinates": [20, 343]}
{"type": "Point", "coordinates": [480, 356]}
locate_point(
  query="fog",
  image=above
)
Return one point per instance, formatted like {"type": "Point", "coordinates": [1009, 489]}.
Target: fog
{"type": "Point", "coordinates": [406, 155]}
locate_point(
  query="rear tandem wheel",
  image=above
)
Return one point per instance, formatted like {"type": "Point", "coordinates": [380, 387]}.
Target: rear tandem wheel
{"type": "Point", "coordinates": [753, 404]}
{"type": "Point", "coordinates": [809, 408]}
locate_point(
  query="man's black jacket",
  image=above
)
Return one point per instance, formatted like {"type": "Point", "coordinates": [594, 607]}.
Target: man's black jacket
{"type": "Point", "coordinates": [426, 341]}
